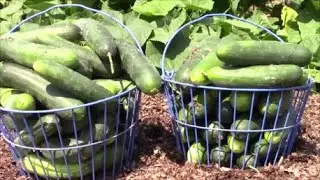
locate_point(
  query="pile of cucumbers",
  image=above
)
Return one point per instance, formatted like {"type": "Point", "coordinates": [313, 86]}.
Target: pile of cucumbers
{"type": "Point", "coordinates": [62, 66]}
{"type": "Point", "coordinates": [239, 64]}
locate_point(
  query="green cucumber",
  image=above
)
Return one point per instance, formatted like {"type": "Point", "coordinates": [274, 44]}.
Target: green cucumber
{"type": "Point", "coordinates": [140, 69]}
{"type": "Point", "coordinates": [85, 56]}
{"type": "Point", "coordinates": [248, 53]}
{"type": "Point", "coordinates": [199, 104]}
{"type": "Point", "coordinates": [18, 101]}
{"type": "Point", "coordinates": [26, 53]}
{"type": "Point", "coordinates": [61, 76]}
{"type": "Point", "coordinates": [260, 76]}
{"type": "Point", "coordinates": [261, 149]}
{"type": "Point", "coordinates": [213, 133]}
{"type": "Point", "coordinates": [196, 153]}
{"type": "Point", "coordinates": [67, 31]}
{"type": "Point", "coordinates": [274, 102]}
{"type": "Point", "coordinates": [244, 124]}
{"type": "Point", "coordinates": [222, 153]}
{"type": "Point", "coordinates": [235, 145]}
{"type": "Point", "coordinates": [50, 125]}
{"type": "Point", "coordinates": [43, 167]}
{"type": "Point", "coordinates": [98, 37]}
{"type": "Point", "coordinates": [26, 80]}
{"type": "Point", "coordinates": [226, 111]}
{"type": "Point", "coordinates": [115, 86]}
{"type": "Point", "coordinates": [15, 124]}
{"type": "Point", "coordinates": [185, 116]}
{"type": "Point", "coordinates": [186, 134]}
{"type": "Point", "coordinates": [242, 99]}
{"type": "Point", "coordinates": [247, 160]}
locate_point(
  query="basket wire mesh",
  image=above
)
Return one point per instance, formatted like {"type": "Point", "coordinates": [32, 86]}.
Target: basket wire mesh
{"type": "Point", "coordinates": [99, 147]}
{"type": "Point", "coordinates": [201, 114]}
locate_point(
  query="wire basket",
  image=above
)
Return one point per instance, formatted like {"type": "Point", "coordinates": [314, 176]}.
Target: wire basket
{"type": "Point", "coordinates": [233, 127]}
{"type": "Point", "coordinates": [46, 146]}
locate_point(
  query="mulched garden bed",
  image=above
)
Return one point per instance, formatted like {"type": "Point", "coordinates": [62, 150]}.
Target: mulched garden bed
{"type": "Point", "coordinates": [157, 159]}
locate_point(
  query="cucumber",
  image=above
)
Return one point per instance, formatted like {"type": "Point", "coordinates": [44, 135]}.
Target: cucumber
{"type": "Point", "coordinates": [98, 37]}
{"type": "Point", "coordinates": [50, 125]}
{"type": "Point", "coordinates": [196, 153]}
{"type": "Point", "coordinates": [115, 86]}
{"type": "Point", "coordinates": [185, 116]}
{"type": "Point", "coordinates": [222, 153]}
{"type": "Point", "coordinates": [244, 124]}
{"type": "Point", "coordinates": [242, 99]}
{"type": "Point", "coordinates": [186, 134]}
{"type": "Point", "coordinates": [199, 104]}
{"type": "Point", "coordinates": [260, 76]}
{"type": "Point", "coordinates": [66, 31]}
{"type": "Point", "coordinates": [26, 80]}
{"type": "Point", "coordinates": [26, 53]}
{"type": "Point", "coordinates": [247, 160]}
{"type": "Point", "coordinates": [196, 56]}
{"type": "Point", "coordinates": [261, 149]}
{"type": "Point", "coordinates": [15, 124]}
{"type": "Point", "coordinates": [213, 133]}
{"type": "Point", "coordinates": [196, 75]}
{"type": "Point", "coordinates": [140, 69]}
{"type": "Point", "coordinates": [85, 56]}
{"type": "Point", "coordinates": [61, 76]}
{"type": "Point", "coordinates": [44, 167]}
{"type": "Point", "coordinates": [18, 101]}
{"type": "Point", "coordinates": [249, 53]}
{"type": "Point", "coordinates": [226, 112]}
{"type": "Point", "coordinates": [235, 145]}
{"type": "Point", "coordinates": [274, 104]}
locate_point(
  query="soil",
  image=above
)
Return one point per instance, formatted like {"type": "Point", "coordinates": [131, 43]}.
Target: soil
{"type": "Point", "coordinates": [157, 158]}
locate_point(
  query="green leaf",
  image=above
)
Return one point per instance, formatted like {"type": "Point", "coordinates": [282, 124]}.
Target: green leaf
{"type": "Point", "coordinates": [198, 4]}
{"type": "Point", "coordinates": [27, 26]}
{"type": "Point", "coordinates": [41, 4]}
{"type": "Point", "coordinates": [290, 32]}
{"type": "Point", "coordinates": [10, 10]}
{"type": "Point", "coordinates": [308, 22]}
{"type": "Point", "coordinates": [312, 42]}
{"type": "Point", "coordinates": [141, 29]}
{"type": "Point", "coordinates": [168, 25]}
{"type": "Point", "coordinates": [259, 17]}
{"type": "Point", "coordinates": [234, 5]}
{"type": "Point", "coordinates": [154, 53]}
{"type": "Point", "coordinates": [288, 15]}
{"type": "Point", "coordinates": [155, 7]}
{"type": "Point", "coordinates": [5, 27]}
{"type": "Point", "coordinates": [88, 3]}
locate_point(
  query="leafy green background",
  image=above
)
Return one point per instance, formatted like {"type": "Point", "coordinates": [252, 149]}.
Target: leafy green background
{"type": "Point", "coordinates": [153, 22]}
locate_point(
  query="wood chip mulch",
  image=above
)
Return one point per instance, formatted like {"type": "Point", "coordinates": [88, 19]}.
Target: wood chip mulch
{"type": "Point", "coordinates": [157, 158]}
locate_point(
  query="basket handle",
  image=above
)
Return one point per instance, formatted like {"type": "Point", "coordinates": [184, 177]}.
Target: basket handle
{"type": "Point", "coordinates": [84, 7]}
{"type": "Point", "coordinates": [168, 74]}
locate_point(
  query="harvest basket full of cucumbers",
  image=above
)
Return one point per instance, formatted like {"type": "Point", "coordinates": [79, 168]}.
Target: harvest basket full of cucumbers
{"type": "Point", "coordinates": [235, 101]}
{"type": "Point", "coordinates": [69, 95]}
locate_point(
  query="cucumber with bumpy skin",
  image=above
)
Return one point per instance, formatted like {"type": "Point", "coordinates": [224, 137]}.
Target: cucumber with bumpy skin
{"type": "Point", "coordinates": [248, 53]}
{"type": "Point", "coordinates": [143, 73]}
{"type": "Point", "coordinates": [26, 53]}
{"type": "Point", "coordinates": [26, 80]}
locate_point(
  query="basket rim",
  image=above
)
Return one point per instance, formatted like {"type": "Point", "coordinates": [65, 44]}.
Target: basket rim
{"type": "Point", "coordinates": [84, 104]}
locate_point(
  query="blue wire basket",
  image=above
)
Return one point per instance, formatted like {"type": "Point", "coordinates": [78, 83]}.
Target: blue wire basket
{"type": "Point", "coordinates": [211, 127]}
{"type": "Point", "coordinates": [54, 148]}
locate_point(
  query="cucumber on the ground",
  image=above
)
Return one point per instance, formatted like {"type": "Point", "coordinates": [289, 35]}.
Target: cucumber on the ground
{"type": "Point", "coordinates": [248, 53]}
{"type": "Point", "coordinates": [71, 81]}
{"type": "Point", "coordinates": [50, 123]}
{"type": "Point", "coordinates": [198, 53]}
{"type": "Point", "coordinates": [26, 80]}
{"type": "Point", "coordinates": [140, 69]}
{"type": "Point", "coordinates": [43, 167]}
{"type": "Point", "coordinates": [196, 153]}
{"type": "Point", "coordinates": [196, 75]}
{"type": "Point", "coordinates": [274, 104]}
{"type": "Point", "coordinates": [85, 55]}
{"type": "Point", "coordinates": [98, 37]}
{"type": "Point", "coordinates": [235, 145]}
{"type": "Point", "coordinates": [222, 153]}
{"type": "Point", "coordinates": [67, 31]}
{"type": "Point", "coordinates": [242, 99]}
{"type": "Point", "coordinates": [258, 76]}
{"type": "Point", "coordinates": [115, 86]}
{"type": "Point", "coordinates": [245, 124]}
{"type": "Point", "coordinates": [26, 53]}
{"type": "Point", "coordinates": [213, 133]}
{"type": "Point", "coordinates": [247, 160]}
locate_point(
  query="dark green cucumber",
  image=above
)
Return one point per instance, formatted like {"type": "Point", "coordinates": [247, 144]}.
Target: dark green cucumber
{"type": "Point", "coordinates": [71, 81]}
{"type": "Point", "coordinates": [49, 122]}
{"type": "Point", "coordinates": [185, 116]}
{"type": "Point", "coordinates": [245, 124]}
{"type": "Point", "coordinates": [226, 111]}
{"type": "Point", "coordinates": [247, 161]}
{"type": "Point", "coordinates": [199, 105]}
{"type": "Point", "coordinates": [222, 153]}
{"type": "Point", "coordinates": [198, 53]}
{"type": "Point", "coordinates": [140, 69]}
{"type": "Point", "coordinates": [44, 167]}
{"type": "Point", "coordinates": [186, 134]}
{"type": "Point", "coordinates": [261, 149]}
{"type": "Point", "coordinates": [256, 76]}
{"type": "Point", "coordinates": [213, 133]}
{"type": "Point", "coordinates": [98, 37]}
{"type": "Point", "coordinates": [248, 53]}
{"type": "Point", "coordinates": [16, 124]}
{"type": "Point", "coordinates": [242, 99]}
{"type": "Point", "coordinates": [196, 75]}
{"type": "Point", "coordinates": [85, 55]}
{"type": "Point", "coordinates": [26, 53]}
{"type": "Point", "coordinates": [26, 80]}
{"type": "Point", "coordinates": [115, 86]}
{"type": "Point", "coordinates": [67, 31]}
